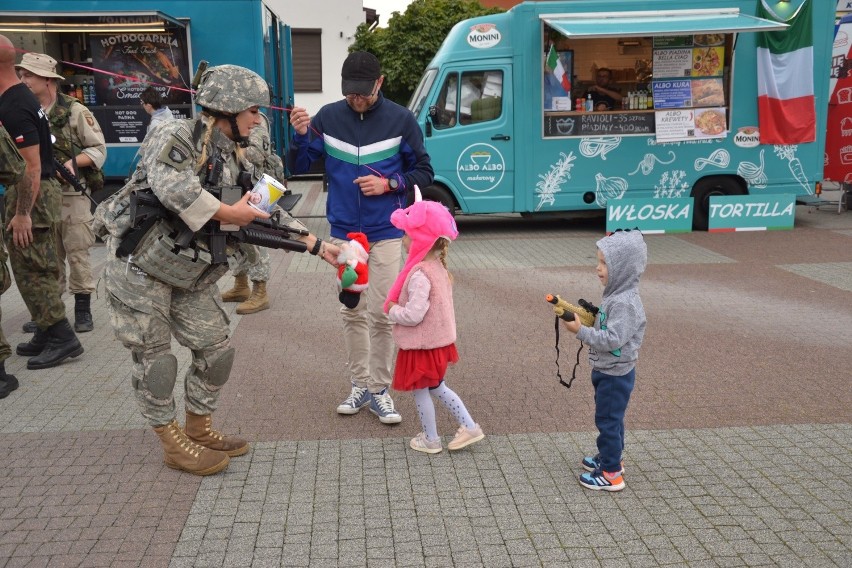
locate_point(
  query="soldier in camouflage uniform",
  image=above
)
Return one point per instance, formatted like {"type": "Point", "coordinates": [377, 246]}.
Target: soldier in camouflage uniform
{"type": "Point", "coordinates": [154, 292]}
{"type": "Point", "coordinates": [33, 207]}
{"type": "Point", "coordinates": [260, 159]}
{"type": "Point", "coordinates": [81, 148]}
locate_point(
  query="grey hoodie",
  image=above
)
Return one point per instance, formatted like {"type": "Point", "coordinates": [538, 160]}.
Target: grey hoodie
{"type": "Point", "coordinates": [620, 325]}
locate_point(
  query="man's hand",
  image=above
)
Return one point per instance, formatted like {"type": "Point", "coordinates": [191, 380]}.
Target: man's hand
{"type": "Point", "coordinates": [329, 253]}
{"type": "Point", "coordinates": [21, 227]}
{"type": "Point", "coordinates": [372, 185]}
{"type": "Point", "coordinates": [300, 119]}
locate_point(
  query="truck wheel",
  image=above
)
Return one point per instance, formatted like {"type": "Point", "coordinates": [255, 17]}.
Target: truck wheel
{"type": "Point", "coordinates": [435, 193]}
{"type": "Point", "coordinates": [704, 189]}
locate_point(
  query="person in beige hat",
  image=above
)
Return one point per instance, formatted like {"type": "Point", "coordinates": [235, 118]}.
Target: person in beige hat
{"type": "Point", "coordinates": [81, 148]}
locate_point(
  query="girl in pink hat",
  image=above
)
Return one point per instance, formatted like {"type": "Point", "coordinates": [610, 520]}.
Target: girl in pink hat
{"type": "Point", "coordinates": [420, 307]}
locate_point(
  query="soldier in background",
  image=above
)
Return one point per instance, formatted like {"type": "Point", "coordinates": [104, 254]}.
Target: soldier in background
{"type": "Point", "coordinates": [260, 158]}
{"type": "Point", "coordinates": [33, 208]}
{"type": "Point", "coordinates": [81, 148]}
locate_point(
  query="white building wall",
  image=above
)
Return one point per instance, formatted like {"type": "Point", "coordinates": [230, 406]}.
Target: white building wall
{"type": "Point", "coordinates": [338, 20]}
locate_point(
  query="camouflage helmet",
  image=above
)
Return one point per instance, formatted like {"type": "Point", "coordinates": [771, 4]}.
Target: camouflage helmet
{"type": "Point", "coordinates": [231, 89]}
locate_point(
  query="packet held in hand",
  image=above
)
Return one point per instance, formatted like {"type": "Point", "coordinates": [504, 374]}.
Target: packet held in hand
{"type": "Point", "coordinates": [265, 193]}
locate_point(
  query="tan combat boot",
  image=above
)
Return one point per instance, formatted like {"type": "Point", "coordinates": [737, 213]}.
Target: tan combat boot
{"type": "Point", "coordinates": [257, 302]}
{"type": "Point", "coordinates": [184, 454]}
{"type": "Point", "coordinates": [200, 430]}
{"type": "Point", "coordinates": [240, 292]}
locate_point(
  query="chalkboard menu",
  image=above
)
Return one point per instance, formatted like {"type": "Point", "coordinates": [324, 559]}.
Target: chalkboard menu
{"type": "Point", "coordinates": [598, 123]}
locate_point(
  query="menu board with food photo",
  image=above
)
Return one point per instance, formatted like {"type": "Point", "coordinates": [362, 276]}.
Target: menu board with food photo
{"type": "Point", "coordinates": [707, 61]}
{"type": "Point", "coordinates": [690, 124]}
{"type": "Point", "coordinates": [707, 93]}
{"type": "Point", "coordinates": [136, 60]}
{"type": "Point", "coordinates": [673, 62]}
{"type": "Point", "coordinates": [711, 123]}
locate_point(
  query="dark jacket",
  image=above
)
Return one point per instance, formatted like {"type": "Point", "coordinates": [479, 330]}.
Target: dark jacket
{"type": "Point", "coordinates": [385, 140]}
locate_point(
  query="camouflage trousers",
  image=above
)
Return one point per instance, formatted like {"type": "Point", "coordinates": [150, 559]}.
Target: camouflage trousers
{"type": "Point", "coordinates": [5, 283]}
{"type": "Point", "coordinates": [145, 313]}
{"type": "Point", "coordinates": [76, 237]}
{"type": "Point", "coordinates": [37, 266]}
{"type": "Point", "coordinates": [255, 263]}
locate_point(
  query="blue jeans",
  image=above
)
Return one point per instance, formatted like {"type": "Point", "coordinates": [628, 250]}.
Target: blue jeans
{"type": "Point", "coordinates": [611, 397]}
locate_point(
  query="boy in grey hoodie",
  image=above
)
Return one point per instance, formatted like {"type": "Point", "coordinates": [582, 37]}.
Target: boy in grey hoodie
{"type": "Point", "coordinates": [613, 351]}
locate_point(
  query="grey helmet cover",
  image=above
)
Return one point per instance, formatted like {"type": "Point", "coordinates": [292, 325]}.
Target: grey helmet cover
{"type": "Point", "coordinates": [231, 89]}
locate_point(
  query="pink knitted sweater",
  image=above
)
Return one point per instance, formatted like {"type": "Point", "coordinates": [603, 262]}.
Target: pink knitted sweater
{"type": "Point", "coordinates": [438, 328]}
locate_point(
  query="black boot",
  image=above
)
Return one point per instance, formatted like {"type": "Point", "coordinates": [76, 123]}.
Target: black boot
{"type": "Point", "coordinates": [8, 382]}
{"type": "Point", "coordinates": [61, 344]}
{"type": "Point", "coordinates": [30, 327]}
{"type": "Point", "coordinates": [34, 346]}
{"type": "Point", "coordinates": [83, 313]}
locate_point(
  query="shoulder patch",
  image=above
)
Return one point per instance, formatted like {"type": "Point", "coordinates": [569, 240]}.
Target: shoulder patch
{"type": "Point", "coordinates": [176, 153]}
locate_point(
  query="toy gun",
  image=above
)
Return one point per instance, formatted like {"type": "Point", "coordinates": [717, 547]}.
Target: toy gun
{"type": "Point", "coordinates": [72, 180]}
{"type": "Point", "coordinates": [586, 311]}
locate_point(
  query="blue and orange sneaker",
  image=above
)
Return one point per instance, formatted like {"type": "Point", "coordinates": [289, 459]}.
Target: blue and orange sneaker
{"type": "Point", "coordinates": [602, 481]}
{"type": "Point", "coordinates": [591, 463]}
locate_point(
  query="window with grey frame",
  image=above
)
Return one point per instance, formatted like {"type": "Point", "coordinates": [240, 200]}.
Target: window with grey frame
{"type": "Point", "coordinates": [307, 60]}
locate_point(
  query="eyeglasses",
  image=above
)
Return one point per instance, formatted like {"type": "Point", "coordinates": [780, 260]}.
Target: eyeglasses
{"type": "Point", "coordinates": [356, 96]}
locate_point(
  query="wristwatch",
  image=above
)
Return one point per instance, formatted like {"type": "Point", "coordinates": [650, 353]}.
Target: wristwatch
{"type": "Point", "coordinates": [393, 184]}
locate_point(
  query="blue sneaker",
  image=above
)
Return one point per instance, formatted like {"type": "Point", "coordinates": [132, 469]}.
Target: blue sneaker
{"type": "Point", "coordinates": [591, 463]}
{"type": "Point", "coordinates": [602, 481]}
{"type": "Point", "coordinates": [381, 404]}
{"type": "Point", "coordinates": [357, 399]}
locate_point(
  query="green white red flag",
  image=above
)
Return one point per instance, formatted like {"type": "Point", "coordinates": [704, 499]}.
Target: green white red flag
{"type": "Point", "coordinates": [559, 71]}
{"type": "Point", "coordinates": [785, 77]}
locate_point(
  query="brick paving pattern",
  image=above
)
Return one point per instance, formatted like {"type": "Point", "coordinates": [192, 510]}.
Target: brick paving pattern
{"type": "Point", "coordinates": [738, 444]}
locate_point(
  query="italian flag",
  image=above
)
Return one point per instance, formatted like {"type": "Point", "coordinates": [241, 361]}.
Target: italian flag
{"type": "Point", "coordinates": [785, 77]}
{"type": "Point", "coordinates": [558, 71]}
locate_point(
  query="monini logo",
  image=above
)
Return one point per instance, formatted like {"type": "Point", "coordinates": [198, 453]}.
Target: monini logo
{"type": "Point", "coordinates": [747, 137]}
{"type": "Point", "coordinates": [483, 36]}
{"type": "Point", "coordinates": [480, 167]}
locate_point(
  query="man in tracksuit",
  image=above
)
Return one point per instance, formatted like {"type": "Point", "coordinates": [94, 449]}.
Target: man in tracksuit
{"type": "Point", "coordinates": [374, 155]}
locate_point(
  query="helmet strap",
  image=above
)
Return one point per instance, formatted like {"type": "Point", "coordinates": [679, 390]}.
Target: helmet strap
{"type": "Point", "coordinates": [232, 120]}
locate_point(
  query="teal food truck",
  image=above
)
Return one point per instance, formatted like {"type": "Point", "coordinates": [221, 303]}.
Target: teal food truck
{"type": "Point", "coordinates": [110, 50]}
{"type": "Point", "coordinates": [565, 106]}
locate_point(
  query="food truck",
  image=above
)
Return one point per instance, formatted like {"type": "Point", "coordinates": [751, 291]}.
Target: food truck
{"type": "Point", "coordinates": [111, 50]}
{"type": "Point", "coordinates": [553, 107]}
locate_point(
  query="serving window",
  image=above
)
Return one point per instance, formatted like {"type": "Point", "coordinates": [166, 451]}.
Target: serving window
{"type": "Point", "coordinates": [676, 87]}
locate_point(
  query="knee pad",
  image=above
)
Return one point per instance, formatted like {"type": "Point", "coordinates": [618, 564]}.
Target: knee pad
{"type": "Point", "coordinates": [219, 369]}
{"type": "Point", "coordinates": [160, 376]}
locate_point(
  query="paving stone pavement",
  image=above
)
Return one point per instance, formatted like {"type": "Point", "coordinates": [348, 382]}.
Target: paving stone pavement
{"type": "Point", "coordinates": [738, 433]}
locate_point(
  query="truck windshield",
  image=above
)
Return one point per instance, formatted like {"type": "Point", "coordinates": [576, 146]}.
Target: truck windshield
{"type": "Point", "coordinates": [418, 99]}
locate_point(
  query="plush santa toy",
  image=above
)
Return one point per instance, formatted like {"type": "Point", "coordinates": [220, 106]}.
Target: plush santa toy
{"type": "Point", "coordinates": [352, 271]}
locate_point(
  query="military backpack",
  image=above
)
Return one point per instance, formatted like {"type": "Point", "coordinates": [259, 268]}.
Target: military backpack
{"type": "Point", "coordinates": [12, 164]}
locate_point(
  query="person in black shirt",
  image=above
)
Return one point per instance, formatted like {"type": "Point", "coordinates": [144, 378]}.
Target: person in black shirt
{"type": "Point", "coordinates": [605, 96]}
{"type": "Point", "coordinates": [33, 209]}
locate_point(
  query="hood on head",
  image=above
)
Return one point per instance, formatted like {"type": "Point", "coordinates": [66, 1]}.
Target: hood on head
{"type": "Point", "coordinates": [626, 256]}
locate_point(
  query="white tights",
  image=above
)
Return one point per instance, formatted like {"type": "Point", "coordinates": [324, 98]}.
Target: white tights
{"type": "Point", "coordinates": [450, 400]}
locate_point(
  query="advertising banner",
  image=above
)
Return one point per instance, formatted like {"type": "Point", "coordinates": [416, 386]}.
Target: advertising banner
{"type": "Point", "coordinates": [654, 215]}
{"type": "Point", "coordinates": [751, 212]}
{"type": "Point", "coordinates": [838, 136]}
{"type": "Point", "coordinates": [134, 61]}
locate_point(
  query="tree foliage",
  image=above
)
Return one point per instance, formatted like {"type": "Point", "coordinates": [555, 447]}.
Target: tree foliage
{"type": "Point", "coordinates": [410, 40]}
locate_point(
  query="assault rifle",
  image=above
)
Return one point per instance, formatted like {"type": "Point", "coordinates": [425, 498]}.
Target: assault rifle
{"type": "Point", "coordinates": [146, 210]}
{"type": "Point", "coordinates": [73, 180]}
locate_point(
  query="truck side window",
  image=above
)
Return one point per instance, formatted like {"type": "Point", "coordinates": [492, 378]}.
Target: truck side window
{"type": "Point", "coordinates": [446, 104]}
{"type": "Point", "coordinates": [481, 96]}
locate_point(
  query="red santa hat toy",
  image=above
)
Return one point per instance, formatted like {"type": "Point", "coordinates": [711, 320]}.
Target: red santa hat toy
{"type": "Point", "coordinates": [353, 272]}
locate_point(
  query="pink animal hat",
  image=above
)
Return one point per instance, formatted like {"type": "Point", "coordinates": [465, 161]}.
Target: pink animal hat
{"type": "Point", "coordinates": [424, 222]}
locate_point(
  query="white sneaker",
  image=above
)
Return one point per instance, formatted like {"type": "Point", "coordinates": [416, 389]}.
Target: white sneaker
{"type": "Point", "coordinates": [357, 399]}
{"type": "Point", "coordinates": [381, 404]}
